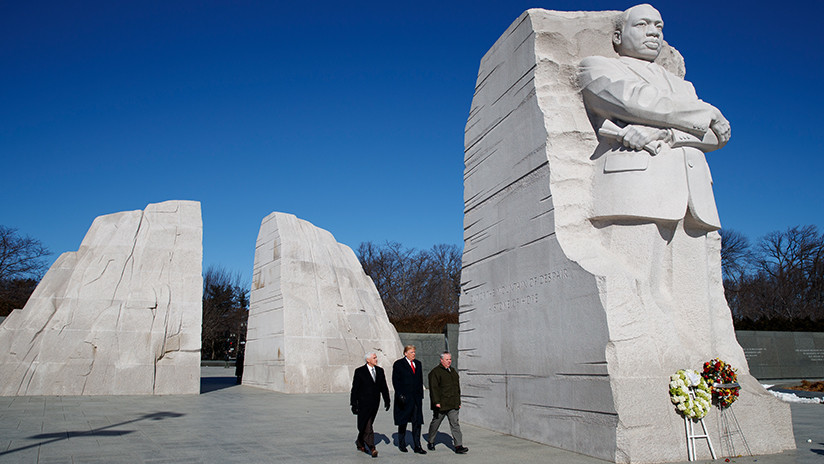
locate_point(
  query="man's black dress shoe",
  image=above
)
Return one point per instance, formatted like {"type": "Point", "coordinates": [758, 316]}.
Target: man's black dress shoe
{"type": "Point", "coordinates": [419, 450]}
{"type": "Point", "coordinates": [402, 448]}
{"type": "Point", "coordinates": [461, 449]}
{"type": "Point", "coordinates": [430, 446]}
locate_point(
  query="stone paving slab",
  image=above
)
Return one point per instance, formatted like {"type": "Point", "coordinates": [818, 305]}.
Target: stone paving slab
{"type": "Point", "coordinates": [238, 424]}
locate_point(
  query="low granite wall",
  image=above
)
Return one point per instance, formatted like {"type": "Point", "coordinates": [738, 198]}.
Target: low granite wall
{"type": "Point", "coordinates": [429, 346]}
{"type": "Point", "coordinates": [770, 355]}
{"type": "Point", "coordinates": [783, 355]}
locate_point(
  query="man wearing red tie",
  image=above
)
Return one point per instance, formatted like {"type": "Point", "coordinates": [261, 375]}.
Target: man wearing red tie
{"type": "Point", "coordinates": [407, 380]}
{"type": "Point", "coordinates": [368, 385]}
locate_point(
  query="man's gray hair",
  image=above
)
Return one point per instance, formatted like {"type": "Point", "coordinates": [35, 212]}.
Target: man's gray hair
{"type": "Point", "coordinates": [445, 353]}
{"type": "Point", "coordinates": [368, 355]}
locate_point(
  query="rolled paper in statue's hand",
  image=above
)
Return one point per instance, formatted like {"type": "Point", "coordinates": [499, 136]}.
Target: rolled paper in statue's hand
{"type": "Point", "coordinates": [611, 130]}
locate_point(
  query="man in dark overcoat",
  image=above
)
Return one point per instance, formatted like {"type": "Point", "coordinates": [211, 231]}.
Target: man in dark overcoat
{"type": "Point", "coordinates": [368, 385]}
{"type": "Point", "coordinates": [445, 399]}
{"type": "Point", "coordinates": [407, 380]}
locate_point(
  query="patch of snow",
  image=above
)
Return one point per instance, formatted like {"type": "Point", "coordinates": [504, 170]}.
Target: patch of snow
{"type": "Point", "coordinates": [791, 397]}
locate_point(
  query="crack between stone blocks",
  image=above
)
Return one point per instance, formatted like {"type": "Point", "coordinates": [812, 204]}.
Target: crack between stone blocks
{"type": "Point", "coordinates": [37, 334]}
{"type": "Point", "coordinates": [165, 338]}
{"type": "Point", "coordinates": [101, 274]}
{"type": "Point", "coordinates": [129, 261]}
{"type": "Point", "coordinates": [66, 324]}
{"type": "Point", "coordinates": [30, 377]}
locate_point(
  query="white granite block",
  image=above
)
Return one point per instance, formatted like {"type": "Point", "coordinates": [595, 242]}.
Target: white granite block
{"type": "Point", "coordinates": [121, 316]}
{"type": "Point", "coordinates": [563, 340]}
{"type": "Point", "coordinates": [314, 312]}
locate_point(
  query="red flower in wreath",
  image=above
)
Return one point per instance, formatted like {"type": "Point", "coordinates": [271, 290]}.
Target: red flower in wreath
{"type": "Point", "coordinates": [721, 378]}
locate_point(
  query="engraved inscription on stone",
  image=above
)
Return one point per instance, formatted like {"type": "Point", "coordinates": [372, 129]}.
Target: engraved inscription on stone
{"type": "Point", "coordinates": [519, 287]}
{"type": "Point", "coordinates": [812, 355]}
{"type": "Point", "coordinates": [515, 303]}
{"type": "Point", "coordinates": [753, 353]}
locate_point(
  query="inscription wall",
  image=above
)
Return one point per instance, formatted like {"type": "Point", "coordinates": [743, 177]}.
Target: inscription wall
{"type": "Point", "coordinates": [783, 355]}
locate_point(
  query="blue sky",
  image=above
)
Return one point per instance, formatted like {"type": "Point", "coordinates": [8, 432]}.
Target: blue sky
{"type": "Point", "coordinates": [347, 114]}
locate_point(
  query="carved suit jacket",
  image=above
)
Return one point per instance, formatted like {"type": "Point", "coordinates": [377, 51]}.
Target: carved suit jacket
{"type": "Point", "coordinates": [635, 184]}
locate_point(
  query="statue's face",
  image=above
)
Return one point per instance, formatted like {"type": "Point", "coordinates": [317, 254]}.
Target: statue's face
{"type": "Point", "coordinates": [642, 36]}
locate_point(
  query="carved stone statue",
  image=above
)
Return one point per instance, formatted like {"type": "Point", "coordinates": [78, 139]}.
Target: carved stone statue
{"type": "Point", "coordinates": [653, 130]}
{"type": "Point", "coordinates": [652, 191]}
{"type": "Point", "coordinates": [591, 267]}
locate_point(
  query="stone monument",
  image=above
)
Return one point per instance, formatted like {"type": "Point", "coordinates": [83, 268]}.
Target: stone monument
{"type": "Point", "coordinates": [120, 316]}
{"type": "Point", "coordinates": [314, 312]}
{"type": "Point", "coordinates": [591, 267]}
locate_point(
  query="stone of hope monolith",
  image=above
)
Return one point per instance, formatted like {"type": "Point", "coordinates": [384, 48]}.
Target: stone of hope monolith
{"type": "Point", "coordinates": [314, 312]}
{"type": "Point", "coordinates": [120, 316]}
{"type": "Point", "coordinates": [591, 267]}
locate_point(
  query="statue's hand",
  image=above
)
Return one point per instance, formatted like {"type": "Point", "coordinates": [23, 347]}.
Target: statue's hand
{"type": "Point", "coordinates": [722, 129]}
{"type": "Point", "coordinates": [636, 137]}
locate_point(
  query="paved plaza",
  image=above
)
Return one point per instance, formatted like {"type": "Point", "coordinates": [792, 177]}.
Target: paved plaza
{"type": "Point", "coordinates": [237, 424]}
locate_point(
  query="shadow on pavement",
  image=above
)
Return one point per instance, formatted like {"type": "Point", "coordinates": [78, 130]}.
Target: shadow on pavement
{"type": "Point", "coordinates": [210, 384]}
{"type": "Point", "coordinates": [98, 432]}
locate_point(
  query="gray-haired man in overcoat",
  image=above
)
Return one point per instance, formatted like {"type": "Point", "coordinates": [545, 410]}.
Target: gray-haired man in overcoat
{"type": "Point", "coordinates": [445, 399]}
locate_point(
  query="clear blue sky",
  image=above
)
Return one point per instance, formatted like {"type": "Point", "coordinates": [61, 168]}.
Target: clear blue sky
{"type": "Point", "coordinates": [347, 114]}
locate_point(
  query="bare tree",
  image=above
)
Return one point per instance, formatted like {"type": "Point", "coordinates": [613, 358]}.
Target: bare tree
{"type": "Point", "coordinates": [793, 262]}
{"type": "Point", "coordinates": [22, 264]}
{"type": "Point", "coordinates": [21, 257]}
{"type": "Point", "coordinates": [225, 313]}
{"type": "Point", "coordinates": [419, 289]}
{"type": "Point", "coordinates": [446, 262]}
{"type": "Point", "coordinates": [736, 265]}
{"type": "Point", "coordinates": [782, 283]}
{"type": "Point", "coordinates": [14, 293]}
{"type": "Point", "coordinates": [736, 254]}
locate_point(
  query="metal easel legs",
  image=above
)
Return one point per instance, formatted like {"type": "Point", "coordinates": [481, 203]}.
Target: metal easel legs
{"type": "Point", "coordinates": [691, 437]}
{"type": "Point", "coordinates": [728, 427]}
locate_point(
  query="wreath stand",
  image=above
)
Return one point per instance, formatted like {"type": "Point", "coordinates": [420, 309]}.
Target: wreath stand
{"type": "Point", "coordinates": [692, 436]}
{"type": "Point", "coordinates": [728, 428]}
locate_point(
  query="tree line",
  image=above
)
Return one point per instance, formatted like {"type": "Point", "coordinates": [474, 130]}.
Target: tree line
{"type": "Point", "coordinates": [225, 314]}
{"type": "Point", "coordinates": [22, 264]}
{"type": "Point", "coordinates": [419, 288]}
{"type": "Point", "coordinates": [776, 283]}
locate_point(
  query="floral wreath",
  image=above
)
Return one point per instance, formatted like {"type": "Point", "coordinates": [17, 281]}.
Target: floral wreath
{"type": "Point", "coordinates": [723, 380]}
{"type": "Point", "coordinates": [694, 406]}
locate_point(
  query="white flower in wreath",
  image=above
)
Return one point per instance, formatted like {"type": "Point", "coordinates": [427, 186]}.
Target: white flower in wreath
{"type": "Point", "coordinates": [695, 406]}
{"type": "Point", "coordinates": [693, 376]}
